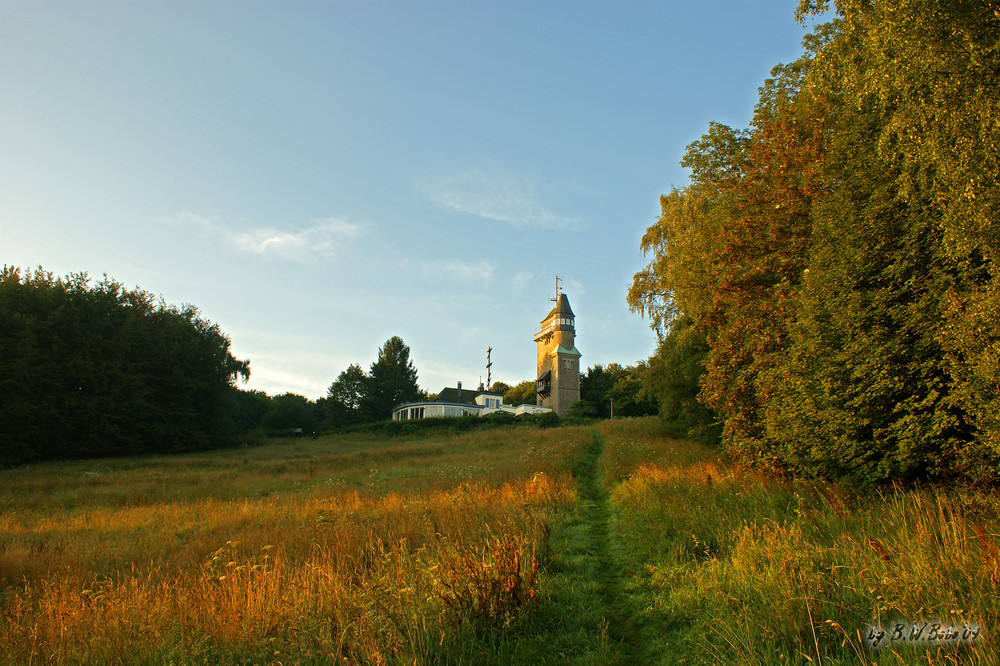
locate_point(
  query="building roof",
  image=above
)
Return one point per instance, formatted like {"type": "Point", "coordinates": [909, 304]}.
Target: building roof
{"type": "Point", "coordinates": [572, 352]}
{"type": "Point", "coordinates": [426, 403]}
{"type": "Point", "coordinates": [562, 307]}
{"type": "Point", "coordinates": [451, 395]}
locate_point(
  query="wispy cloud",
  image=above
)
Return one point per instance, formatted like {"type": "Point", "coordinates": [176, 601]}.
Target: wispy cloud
{"type": "Point", "coordinates": [496, 194]}
{"type": "Point", "coordinates": [522, 279]}
{"type": "Point", "coordinates": [477, 271]}
{"type": "Point", "coordinates": [320, 239]}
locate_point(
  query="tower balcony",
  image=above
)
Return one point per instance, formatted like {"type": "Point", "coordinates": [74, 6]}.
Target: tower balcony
{"type": "Point", "coordinates": [555, 326]}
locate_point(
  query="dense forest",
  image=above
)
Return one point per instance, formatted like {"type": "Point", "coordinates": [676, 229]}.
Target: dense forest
{"type": "Point", "coordinates": [95, 370]}
{"type": "Point", "coordinates": [91, 370]}
{"type": "Point", "coordinates": [826, 288]}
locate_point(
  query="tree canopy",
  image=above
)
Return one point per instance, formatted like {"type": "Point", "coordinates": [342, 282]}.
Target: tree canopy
{"type": "Point", "coordinates": [356, 396]}
{"type": "Point", "coordinates": [613, 390]}
{"type": "Point", "coordinates": [350, 387]}
{"type": "Point", "coordinates": [826, 285]}
{"type": "Point", "coordinates": [522, 393]}
{"type": "Point", "coordinates": [101, 370]}
{"type": "Point", "coordinates": [392, 380]}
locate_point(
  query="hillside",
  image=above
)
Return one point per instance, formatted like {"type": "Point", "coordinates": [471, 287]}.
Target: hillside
{"type": "Point", "coordinates": [596, 545]}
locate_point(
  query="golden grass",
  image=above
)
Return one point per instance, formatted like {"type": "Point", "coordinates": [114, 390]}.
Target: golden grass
{"type": "Point", "coordinates": [334, 550]}
{"type": "Point", "coordinates": [751, 568]}
{"type": "Point", "coordinates": [437, 550]}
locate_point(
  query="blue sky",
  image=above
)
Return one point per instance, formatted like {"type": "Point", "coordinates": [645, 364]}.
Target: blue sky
{"type": "Point", "coordinates": [319, 176]}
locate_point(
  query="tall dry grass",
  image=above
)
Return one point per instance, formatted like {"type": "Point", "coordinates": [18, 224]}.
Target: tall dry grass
{"type": "Point", "coordinates": [451, 550]}
{"type": "Point", "coordinates": [334, 550]}
{"type": "Point", "coordinates": [749, 568]}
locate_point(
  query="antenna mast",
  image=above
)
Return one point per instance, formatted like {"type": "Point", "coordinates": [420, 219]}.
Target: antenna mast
{"type": "Point", "coordinates": [489, 366]}
{"type": "Point", "coordinates": [558, 280]}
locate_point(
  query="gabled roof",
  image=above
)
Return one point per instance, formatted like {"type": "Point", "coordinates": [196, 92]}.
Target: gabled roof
{"type": "Point", "coordinates": [451, 395]}
{"type": "Point", "coordinates": [562, 307]}
{"type": "Point", "coordinates": [571, 352]}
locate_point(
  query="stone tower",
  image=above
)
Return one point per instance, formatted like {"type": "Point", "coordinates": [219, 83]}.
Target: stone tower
{"type": "Point", "coordinates": [558, 359]}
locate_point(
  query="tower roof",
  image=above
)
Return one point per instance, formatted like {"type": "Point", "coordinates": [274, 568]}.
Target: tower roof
{"type": "Point", "coordinates": [562, 307]}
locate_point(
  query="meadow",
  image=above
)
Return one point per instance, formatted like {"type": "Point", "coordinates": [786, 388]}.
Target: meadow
{"type": "Point", "coordinates": [590, 545]}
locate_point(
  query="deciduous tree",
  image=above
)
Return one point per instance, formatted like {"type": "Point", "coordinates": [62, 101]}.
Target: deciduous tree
{"type": "Point", "coordinates": [521, 394]}
{"type": "Point", "coordinates": [350, 388]}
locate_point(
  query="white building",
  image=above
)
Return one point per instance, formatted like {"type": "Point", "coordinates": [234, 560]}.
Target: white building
{"type": "Point", "coordinates": [456, 402]}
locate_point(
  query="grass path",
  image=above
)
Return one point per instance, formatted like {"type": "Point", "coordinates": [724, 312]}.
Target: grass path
{"type": "Point", "coordinates": [589, 573]}
{"type": "Point", "coordinates": [596, 514]}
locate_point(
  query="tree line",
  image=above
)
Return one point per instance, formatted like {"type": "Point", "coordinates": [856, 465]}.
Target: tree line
{"type": "Point", "coordinates": [95, 370]}
{"type": "Point", "coordinates": [358, 397]}
{"type": "Point", "coordinates": [825, 288]}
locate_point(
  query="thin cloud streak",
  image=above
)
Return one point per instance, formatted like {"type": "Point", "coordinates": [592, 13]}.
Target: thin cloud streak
{"type": "Point", "coordinates": [495, 194]}
{"type": "Point", "coordinates": [323, 239]}
{"type": "Point", "coordinates": [481, 271]}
